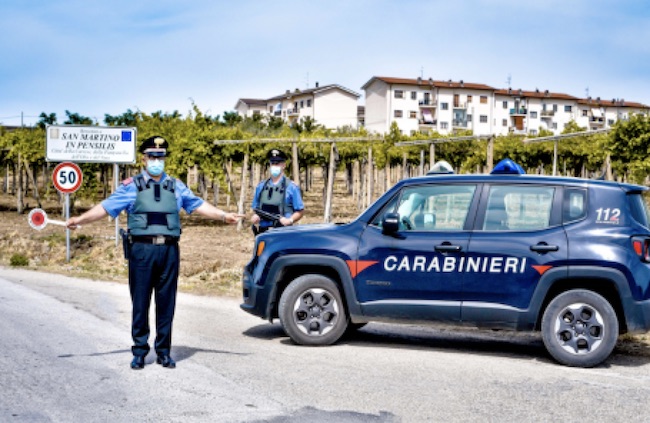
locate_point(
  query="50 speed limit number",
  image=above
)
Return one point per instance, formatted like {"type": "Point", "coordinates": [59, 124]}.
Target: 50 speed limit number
{"type": "Point", "coordinates": [67, 177]}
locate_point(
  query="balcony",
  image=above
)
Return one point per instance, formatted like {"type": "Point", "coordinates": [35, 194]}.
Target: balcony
{"type": "Point", "coordinates": [460, 106]}
{"type": "Point", "coordinates": [292, 112]}
{"type": "Point", "coordinates": [520, 111]}
{"type": "Point", "coordinates": [427, 122]}
{"type": "Point", "coordinates": [596, 121]}
{"type": "Point", "coordinates": [459, 123]}
{"type": "Point", "coordinates": [547, 114]}
{"type": "Point", "coordinates": [427, 103]}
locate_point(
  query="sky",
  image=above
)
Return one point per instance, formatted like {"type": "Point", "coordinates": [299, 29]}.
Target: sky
{"type": "Point", "coordinates": [96, 57]}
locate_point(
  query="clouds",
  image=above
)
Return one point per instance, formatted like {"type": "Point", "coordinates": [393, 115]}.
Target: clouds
{"type": "Point", "coordinates": [94, 57]}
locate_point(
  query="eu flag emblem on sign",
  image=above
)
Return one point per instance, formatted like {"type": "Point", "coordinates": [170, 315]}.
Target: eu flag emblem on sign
{"type": "Point", "coordinates": [126, 136]}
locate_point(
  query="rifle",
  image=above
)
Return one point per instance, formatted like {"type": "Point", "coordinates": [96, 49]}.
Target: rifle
{"type": "Point", "coordinates": [275, 218]}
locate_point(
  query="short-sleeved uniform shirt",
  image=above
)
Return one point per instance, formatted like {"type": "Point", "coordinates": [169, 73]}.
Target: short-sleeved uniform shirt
{"type": "Point", "coordinates": [293, 197]}
{"type": "Point", "coordinates": [124, 197]}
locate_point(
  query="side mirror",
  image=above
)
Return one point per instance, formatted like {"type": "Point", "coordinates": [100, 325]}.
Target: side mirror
{"type": "Point", "coordinates": [390, 223]}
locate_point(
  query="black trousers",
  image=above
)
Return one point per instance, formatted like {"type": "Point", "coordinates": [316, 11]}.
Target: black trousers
{"type": "Point", "coordinates": [153, 269]}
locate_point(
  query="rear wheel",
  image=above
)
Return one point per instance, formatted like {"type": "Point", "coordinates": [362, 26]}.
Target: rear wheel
{"type": "Point", "coordinates": [312, 312]}
{"type": "Point", "coordinates": [580, 328]}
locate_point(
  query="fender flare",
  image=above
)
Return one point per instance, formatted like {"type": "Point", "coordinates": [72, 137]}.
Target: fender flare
{"type": "Point", "coordinates": [553, 276]}
{"type": "Point", "coordinates": [337, 264]}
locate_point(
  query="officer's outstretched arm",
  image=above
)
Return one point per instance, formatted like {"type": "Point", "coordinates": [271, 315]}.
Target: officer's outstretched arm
{"type": "Point", "coordinates": [96, 213]}
{"type": "Point", "coordinates": [208, 210]}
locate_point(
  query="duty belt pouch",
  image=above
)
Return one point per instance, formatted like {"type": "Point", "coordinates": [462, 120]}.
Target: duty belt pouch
{"type": "Point", "coordinates": [126, 245]}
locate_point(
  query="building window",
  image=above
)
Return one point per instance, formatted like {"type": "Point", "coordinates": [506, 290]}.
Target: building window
{"type": "Point", "coordinates": [302, 104]}
{"type": "Point", "coordinates": [413, 114]}
{"type": "Point", "coordinates": [469, 118]}
{"type": "Point", "coordinates": [504, 122]}
{"type": "Point", "coordinates": [483, 99]}
{"type": "Point", "coordinates": [555, 107]}
{"type": "Point", "coordinates": [398, 113]}
{"type": "Point", "coordinates": [585, 113]}
{"type": "Point", "coordinates": [270, 109]}
{"type": "Point", "coordinates": [483, 118]}
{"type": "Point", "coordinates": [533, 115]}
{"type": "Point", "coordinates": [444, 106]}
{"type": "Point", "coordinates": [610, 122]}
{"type": "Point", "coordinates": [567, 108]}
{"type": "Point", "coordinates": [469, 98]}
{"type": "Point", "coordinates": [544, 107]}
{"type": "Point", "coordinates": [414, 95]}
{"type": "Point", "coordinates": [309, 103]}
{"type": "Point", "coordinates": [399, 94]}
{"type": "Point", "coordinates": [444, 125]}
{"type": "Point", "coordinates": [554, 125]}
{"type": "Point", "coordinates": [505, 104]}
{"type": "Point", "coordinates": [533, 132]}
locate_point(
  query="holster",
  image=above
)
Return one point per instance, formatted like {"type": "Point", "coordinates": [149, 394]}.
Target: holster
{"type": "Point", "coordinates": [126, 244]}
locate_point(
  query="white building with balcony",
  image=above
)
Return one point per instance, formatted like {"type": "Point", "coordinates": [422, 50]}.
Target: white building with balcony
{"type": "Point", "coordinates": [446, 107]}
{"type": "Point", "coordinates": [332, 106]}
{"type": "Point", "coordinates": [594, 113]}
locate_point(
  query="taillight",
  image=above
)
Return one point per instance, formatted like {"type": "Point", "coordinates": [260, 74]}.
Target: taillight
{"type": "Point", "coordinates": [641, 245]}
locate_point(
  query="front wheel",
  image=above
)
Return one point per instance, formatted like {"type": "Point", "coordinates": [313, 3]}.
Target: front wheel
{"type": "Point", "coordinates": [312, 312]}
{"type": "Point", "coordinates": [580, 328]}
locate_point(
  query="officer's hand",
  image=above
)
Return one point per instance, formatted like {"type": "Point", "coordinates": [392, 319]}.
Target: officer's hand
{"type": "Point", "coordinates": [286, 221]}
{"type": "Point", "coordinates": [255, 219]}
{"type": "Point", "coordinates": [72, 223]}
{"type": "Point", "coordinates": [233, 217]}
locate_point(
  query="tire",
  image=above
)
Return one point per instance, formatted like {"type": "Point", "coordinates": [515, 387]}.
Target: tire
{"type": "Point", "coordinates": [312, 311]}
{"type": "Point", "coordinates": [580, 328]}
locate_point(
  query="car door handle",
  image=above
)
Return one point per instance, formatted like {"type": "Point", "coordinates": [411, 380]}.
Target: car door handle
{"type": "Point", "coordinates": [448, 248]}
{"type": "Point", "coordinates": [544, 248]}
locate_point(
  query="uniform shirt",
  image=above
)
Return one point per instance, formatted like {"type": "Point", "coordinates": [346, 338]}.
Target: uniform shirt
{"type": "Point", "coordinates": [293, 197]}
{"type": "Point", "coordinates": [124, 197]}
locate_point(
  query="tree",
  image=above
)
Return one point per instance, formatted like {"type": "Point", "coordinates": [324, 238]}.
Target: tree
{"type": "Point", "coordinates": [629, 146]}
{"type": "Point", "coordinates": [46, 119]}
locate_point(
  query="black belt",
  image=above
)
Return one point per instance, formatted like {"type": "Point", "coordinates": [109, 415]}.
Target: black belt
{"type": "Point", "coordinates": [155, 239]}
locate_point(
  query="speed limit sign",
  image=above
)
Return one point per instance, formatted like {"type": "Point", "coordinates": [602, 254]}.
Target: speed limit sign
{"type": "Point", "coordinates": [67, 177]}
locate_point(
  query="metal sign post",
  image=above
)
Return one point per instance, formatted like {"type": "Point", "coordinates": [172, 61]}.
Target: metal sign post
{"type": "Point", "coordinates": [67, 178]}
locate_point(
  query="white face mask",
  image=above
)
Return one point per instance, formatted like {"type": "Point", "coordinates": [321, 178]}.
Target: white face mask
{"type": "Point", "coordinates": [276, 171]}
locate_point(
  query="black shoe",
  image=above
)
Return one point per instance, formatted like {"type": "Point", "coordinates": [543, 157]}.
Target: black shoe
{"type": "Point", "coordinates": [166, 361]}
{"type": "Point", "coordinates": [137, 363]}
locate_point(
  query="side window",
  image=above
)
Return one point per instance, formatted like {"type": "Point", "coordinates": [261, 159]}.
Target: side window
{"type": "Point", "coordinates": [518, 208]}
{"type": "Point", "coordinates": [432, 207]}
{"type": "Point", "coordinates": [574, 205]}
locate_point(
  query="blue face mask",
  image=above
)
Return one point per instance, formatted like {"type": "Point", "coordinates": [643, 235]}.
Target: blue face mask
{"type": "Point", "coordinates": [155, 167]}
{"type": "Point", "coordinates": [276, 171]}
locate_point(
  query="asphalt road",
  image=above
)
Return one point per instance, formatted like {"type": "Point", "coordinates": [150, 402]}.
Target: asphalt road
{"type": "Point", "coordinates": [66, 353]}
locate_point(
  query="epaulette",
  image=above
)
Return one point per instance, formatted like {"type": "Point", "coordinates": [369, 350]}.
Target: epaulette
{"type": "Point", "coordinates": [127, 181]}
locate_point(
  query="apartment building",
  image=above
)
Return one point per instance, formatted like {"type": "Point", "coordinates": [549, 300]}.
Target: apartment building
{"type": "Point", "coordinates": [419, 105]}
{"type": "Point", "coordinates": [332, 106]}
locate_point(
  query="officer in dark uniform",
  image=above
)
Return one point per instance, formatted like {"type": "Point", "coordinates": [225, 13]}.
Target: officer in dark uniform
{"type": "Point", "coordinates": [277, 196]}
{"type": "Point", "coordinates": [153, 200]}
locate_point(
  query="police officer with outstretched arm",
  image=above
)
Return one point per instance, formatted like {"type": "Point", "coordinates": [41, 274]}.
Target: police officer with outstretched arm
{"type": "Point", "coordinates": [277, 199]}
{"type": "Point", "coordinates": [153, 201]}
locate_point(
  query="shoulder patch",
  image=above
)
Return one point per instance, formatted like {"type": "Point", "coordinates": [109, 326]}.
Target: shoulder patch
{"type": "Point", "coordinates": [127, 181]}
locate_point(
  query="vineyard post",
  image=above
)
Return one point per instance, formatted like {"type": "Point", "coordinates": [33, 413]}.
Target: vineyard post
{"type": "Point", "coordinates": [330, 183]}
{"type": "Point", "coordinates": [295, 165]}
{"type": "Point", "coordinates": [422, 172]}
{"type": "Point", "coordinates": [243, 190]}
{"type": "Point", "coordinates": [369, 178]}
{"type": "Point", "coordinates": [490, 154]}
